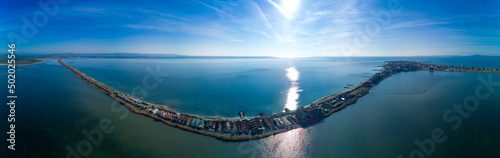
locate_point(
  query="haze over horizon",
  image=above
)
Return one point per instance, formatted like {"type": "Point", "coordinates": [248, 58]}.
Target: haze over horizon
{"type": "Point", "coordinates": [256, 28]}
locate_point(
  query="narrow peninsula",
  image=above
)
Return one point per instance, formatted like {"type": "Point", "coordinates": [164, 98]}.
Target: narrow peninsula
{"type": "Point", "coordinates": [23, 61]}
{"type": "Point", "coordinates": [245, 128]}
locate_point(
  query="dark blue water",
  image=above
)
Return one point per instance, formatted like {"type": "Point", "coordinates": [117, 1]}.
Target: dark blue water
{"type": "Point", "coordinates": [55, 107]}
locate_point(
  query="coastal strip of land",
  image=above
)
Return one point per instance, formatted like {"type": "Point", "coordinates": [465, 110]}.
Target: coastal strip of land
{"type": "Point", "coordinates": [246, 128]}
{"type": "Point", "coordinates": [23, 61]}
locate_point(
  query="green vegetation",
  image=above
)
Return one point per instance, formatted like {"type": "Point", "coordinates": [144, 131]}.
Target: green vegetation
{"type": "Point", "coordinates": [23, 61]}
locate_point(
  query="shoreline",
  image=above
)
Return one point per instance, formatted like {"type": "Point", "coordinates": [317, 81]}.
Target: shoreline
{"type": "Point", "coordinates": [247, 128]}
{"type": "Point", "coordinates": [25, 64]}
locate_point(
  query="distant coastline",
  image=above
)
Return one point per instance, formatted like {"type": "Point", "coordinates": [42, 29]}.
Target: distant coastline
{"type": "Point", "coordinates": [23, 61]}
{"type": "Point", "coordinates": [245, 128]}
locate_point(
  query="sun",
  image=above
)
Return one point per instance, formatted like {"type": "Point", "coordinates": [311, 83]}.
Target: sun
{"type": "Point", "coordinates": [290, 5]}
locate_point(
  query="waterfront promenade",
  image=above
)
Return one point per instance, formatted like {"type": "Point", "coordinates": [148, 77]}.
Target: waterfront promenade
{"type": "Point", "coordinates": [244, 128]}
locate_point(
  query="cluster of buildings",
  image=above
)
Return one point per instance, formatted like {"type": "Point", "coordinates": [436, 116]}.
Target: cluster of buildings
{"type": "Point", "coordinates": [222, 126]}
{"type": "Point", "coordinates": [242, 126]}
{"type": "Point", "coordinates": [461, 68]}
{"type": "Point", "coordinates": [397, 66]}
{"type": "Point", "coordinates": [173, 117]}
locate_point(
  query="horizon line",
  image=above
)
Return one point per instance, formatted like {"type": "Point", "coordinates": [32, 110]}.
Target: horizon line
{"type": "Point", "coordinates": [278, 56]}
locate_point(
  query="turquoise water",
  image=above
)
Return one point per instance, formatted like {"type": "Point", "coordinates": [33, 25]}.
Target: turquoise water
{"type": "Point", "coordinates": [54, 107]}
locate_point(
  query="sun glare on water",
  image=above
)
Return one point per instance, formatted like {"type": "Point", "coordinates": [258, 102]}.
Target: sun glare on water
{"type": "Point", "coordinates": [293, 91]}
{"type": "Point", "coordinates": [292, 74]}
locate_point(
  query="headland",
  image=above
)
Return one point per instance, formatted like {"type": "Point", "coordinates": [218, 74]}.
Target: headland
{"type": "Point", "coordinates": [24, 61]}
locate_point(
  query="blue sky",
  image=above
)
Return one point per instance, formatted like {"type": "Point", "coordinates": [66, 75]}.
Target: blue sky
{"type": "Point", "coordinates": [256, 27]}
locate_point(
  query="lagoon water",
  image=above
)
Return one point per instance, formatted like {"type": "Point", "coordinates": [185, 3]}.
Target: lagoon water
{"type": "Point", "coordinates": [54, 107]}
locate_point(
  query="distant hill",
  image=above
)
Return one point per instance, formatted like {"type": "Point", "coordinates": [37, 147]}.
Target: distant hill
{"type": "Point", "coordinates": [101, 55]}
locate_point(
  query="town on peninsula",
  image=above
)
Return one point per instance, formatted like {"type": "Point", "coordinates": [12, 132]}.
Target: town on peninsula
{"type": "Point", "coordinates": [245, 128]}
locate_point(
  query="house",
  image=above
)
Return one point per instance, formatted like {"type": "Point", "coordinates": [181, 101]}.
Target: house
{"type": "Point", "coordinates": [301, 113]}
{"type": "Point", "coordinates": [310, 112]}
{"type": "Point", "coordinates": [154, 111]}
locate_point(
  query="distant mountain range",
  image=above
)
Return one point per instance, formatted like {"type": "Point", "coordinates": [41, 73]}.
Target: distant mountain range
{"type": "Point", "coordinates": [126, 55]}
{"type": "Point", "coordinates": [145, 55]}
{"type": "Point", "coordinates": [102, 55]}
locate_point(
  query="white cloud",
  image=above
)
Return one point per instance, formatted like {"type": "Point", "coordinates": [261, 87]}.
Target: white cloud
{"type": "Point", "coordinates": [420, 23]}
{"type": "Point", "coordinates": [283, 11]}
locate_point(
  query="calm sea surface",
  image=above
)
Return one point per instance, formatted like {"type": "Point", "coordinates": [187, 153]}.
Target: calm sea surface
{"type": "Point", "coordinates": [54, 107]}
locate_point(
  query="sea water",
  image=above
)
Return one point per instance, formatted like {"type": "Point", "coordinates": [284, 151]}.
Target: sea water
{"type": "Point", "coordinates": [55, 107]}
